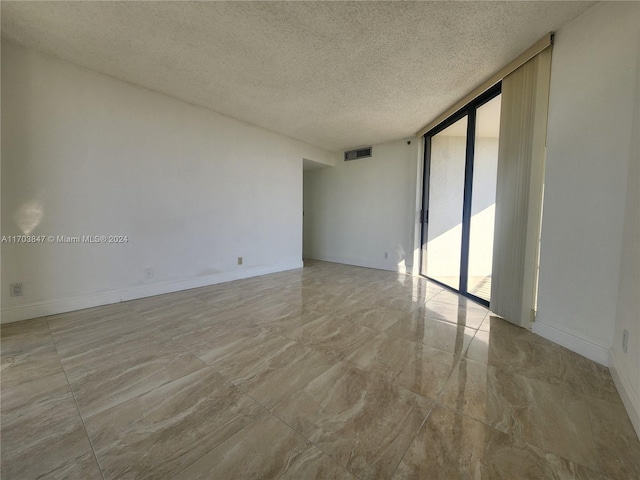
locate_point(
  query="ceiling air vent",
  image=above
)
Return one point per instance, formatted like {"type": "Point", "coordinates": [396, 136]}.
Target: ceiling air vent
{"type": "Point", "coordinates": [356, 154]}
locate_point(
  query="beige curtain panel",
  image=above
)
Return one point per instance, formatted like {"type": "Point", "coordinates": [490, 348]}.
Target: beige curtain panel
{"type": "Point", "coordinates": [521, 156]}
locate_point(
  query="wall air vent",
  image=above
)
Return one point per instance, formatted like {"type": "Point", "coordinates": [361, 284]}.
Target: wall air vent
{"type": "Point", "coordinates": [357, 154]}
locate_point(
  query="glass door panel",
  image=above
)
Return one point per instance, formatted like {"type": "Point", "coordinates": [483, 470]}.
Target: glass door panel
{"type": "Point", "coordinates": [483, 198]}
{"type": "Point", "coordinates": [446, 198]}
{"type": "Point", "coordinates": [459, 196]}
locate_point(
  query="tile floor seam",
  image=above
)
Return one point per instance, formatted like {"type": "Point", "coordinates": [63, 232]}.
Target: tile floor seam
{"type": "Point", "coordinates": [266, 412]}
{"type": "Point", "coordinates": [415, 435]}
{"type": "Point", "coordinates": [600, 462]}
{"type": "Point", "coordinates": [617, 404]}
{"type": "Point", "coordinates": [275, 415]}
{"type": "Point", "coordinates": [458, 359]}
{"type": "Point", "coordinates": [216, 366]}
{"type": "Point", "coordinates": [390, 379]}
{"type": "Point", "coordinates": [57, 336]}
{"type": "Point", "coordinates": [373, 305]}
{"type": "Point", "coordinates": [521, 439]}
{"type": "Point", "coordinates": [452, 323]}
{"type": "Point", "coordinates": [89, 417]}
{"type": "Point", "coordinates": [561, 385]}
{"type": "Point", "coordinates": [330, 457]}
{"type": "Point", "coordinates": [461, 354]}
{"type": "Point", "coordinates": [517, 436]}
{"type": "Point", "coordinates": [204, 365]}
{"type": "Point", "coordinates": [230, 380]}
{"type": "Point", "coordinates": [432, 403]}
{"type": "Point", "coordinates": [180, 378]}
{"type": "Point", "coordinates": [75, 401]}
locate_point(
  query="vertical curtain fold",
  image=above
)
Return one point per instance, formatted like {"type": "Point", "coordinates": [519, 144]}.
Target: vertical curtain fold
{"type": "Point", "coordinates": [520, 179]}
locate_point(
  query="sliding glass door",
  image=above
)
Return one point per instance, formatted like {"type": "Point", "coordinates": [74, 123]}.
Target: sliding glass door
{"type": "Point", "coordinates": [461, 156]}
{"type": "Point", "coordinates": [446, 199]}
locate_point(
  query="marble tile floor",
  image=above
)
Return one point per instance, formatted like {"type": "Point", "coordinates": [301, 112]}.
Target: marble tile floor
{"type": "Point", "coordinates": [327, 372]}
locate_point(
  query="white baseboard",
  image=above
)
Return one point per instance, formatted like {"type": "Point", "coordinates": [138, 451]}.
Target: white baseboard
{"type": "Point", "coordinates": [42, 309]}
{"type": "Point", "coordinates": [627, 393]}
{"type": "Point", "coordinates": [361, 263]}
{"type": "Point", "coordinates": [572, 341]}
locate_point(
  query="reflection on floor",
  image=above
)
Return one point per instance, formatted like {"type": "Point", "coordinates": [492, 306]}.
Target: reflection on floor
{"type": "Point", "coordinates": [480, 286]}
{"type": "Point", "coordinates": [330, 371]}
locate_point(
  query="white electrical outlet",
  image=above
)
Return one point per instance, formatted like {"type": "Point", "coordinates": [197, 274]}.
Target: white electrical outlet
{"type": "Point", "coordinates": [148, 273]}
{"type": "Point", "coordinates": [16, 289]}
{"type": "Point", "coordinates": [625, 340]}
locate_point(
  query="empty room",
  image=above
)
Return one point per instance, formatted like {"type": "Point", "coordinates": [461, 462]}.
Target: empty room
{"type": "Point", "coordinates": [320, 240]}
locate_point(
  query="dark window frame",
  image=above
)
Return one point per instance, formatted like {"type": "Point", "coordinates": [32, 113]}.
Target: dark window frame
{"type": "Point", "coordinates": [469, 110]}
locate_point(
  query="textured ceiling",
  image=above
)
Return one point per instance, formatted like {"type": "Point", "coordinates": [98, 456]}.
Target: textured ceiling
{"type": "Point", "coordinates": [333, 74]}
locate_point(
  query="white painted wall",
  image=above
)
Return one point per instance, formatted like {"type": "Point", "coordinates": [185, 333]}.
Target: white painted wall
{"type": "Point", "coordinates": [192, 189]}
{"type": "Point", "coordinates": [358, 210]}
{"type": "Point", "coordinates": [593, 81]}
{"type": "Point", "coordinates": [626, 366]}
